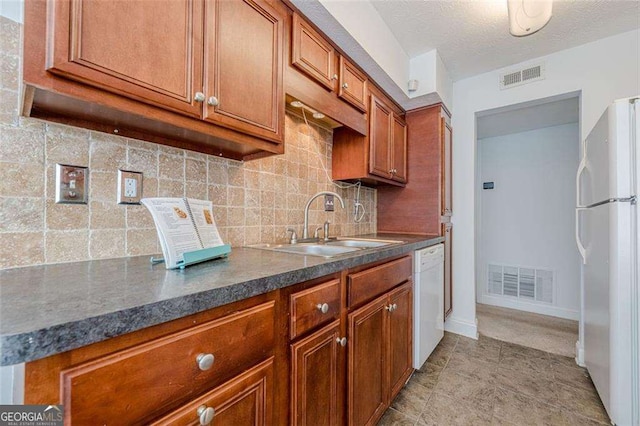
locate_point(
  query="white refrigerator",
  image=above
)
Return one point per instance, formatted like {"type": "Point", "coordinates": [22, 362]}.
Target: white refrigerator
{"type": "Point", "coordinates": [607, 236]}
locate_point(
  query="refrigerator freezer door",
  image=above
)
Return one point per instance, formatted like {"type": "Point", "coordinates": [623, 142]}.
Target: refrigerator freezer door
{"type": "Point", "coordinates": [594, 182]}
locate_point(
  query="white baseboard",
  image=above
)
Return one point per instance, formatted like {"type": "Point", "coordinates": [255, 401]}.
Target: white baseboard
{"type": "Point", "coordinates": [462, 327]}
{"type": "Point", "coordinates": [535, 308]}
{"type": "Point", "coordinates": [580, 354]}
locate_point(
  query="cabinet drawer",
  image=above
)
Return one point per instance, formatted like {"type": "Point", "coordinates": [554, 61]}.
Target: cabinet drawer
{"type": "Point", "coordinates": [367, 284]}
{"type": "Point", "coordinates": [244, 400]}
{"type": "Point", "coordinates": [157, 376]}
{"type": "Point", "coordinates": [307, 306]}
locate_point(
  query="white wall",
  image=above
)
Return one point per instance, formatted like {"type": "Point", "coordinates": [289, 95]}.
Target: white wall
{"type": "Point", "coordinates": [603, 71]}
{"type": "Point", "coordinates": [433, 76]}
{"type": "Point", "coordinates": [12, 9]}
{"type": "Point", "coordinates": [366, 26]}
{"type": "Point", "coordinates": [528, 218]}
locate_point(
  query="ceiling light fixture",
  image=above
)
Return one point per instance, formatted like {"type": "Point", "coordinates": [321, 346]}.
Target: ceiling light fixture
{"type": "Point", "coordinates": [528, 16]}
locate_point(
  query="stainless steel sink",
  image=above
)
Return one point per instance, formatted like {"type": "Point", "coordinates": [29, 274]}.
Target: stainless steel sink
{"type": "Point", "coordinates": [362, 242]}
{"type": "Point", "coordinates": [329, 249]}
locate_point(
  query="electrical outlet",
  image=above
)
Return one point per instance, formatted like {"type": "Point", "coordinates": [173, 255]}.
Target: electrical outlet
{"type": "Point", "coordinates": [328, 203]}
{"type": "Point", "coordinates": [129, 187]}
{"type": "Point", "coordinates": [71, 184]}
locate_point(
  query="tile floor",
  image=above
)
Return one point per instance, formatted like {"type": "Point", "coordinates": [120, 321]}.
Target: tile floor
{"type": "Point", "coordinates": [489, 382]}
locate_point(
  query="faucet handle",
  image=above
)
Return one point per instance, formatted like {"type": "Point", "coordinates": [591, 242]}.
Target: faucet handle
{"type": "Point", "coordinates": [326, 230]}
{"type": "Point", "coordinates": [294, 236]}
{"type": "Point", "coordinates": [316, 233]}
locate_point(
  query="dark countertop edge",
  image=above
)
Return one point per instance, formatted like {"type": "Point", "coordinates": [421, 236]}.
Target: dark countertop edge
{"type": "Point", "coordinates": [37, 344]}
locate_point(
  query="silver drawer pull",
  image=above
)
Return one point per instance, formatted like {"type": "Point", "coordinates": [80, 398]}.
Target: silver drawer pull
{"type": "Point", "coordinates": [342, 341]}
{"type": "Point", "coordinates": [323, 307]}
{"type": "Point", "coordinates": [205, 414]}
{"type": "Point", "coordinates": [213, 101]}
{"type": "Point", "coordinates": [205, 361]}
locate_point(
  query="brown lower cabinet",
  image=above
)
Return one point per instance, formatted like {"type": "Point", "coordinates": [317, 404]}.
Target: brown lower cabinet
{"type": "Point", "coordinates": [380, 354]}
{"type": "Point", "coordinates": [291, 356]}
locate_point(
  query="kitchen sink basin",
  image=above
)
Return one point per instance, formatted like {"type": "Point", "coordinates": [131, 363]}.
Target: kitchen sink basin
{"type": "Point", "coordinates": [329, 249]}
{"type": "Point", "coordinates": [361, 242]}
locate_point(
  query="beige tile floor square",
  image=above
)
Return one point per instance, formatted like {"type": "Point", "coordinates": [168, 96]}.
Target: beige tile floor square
{"type": "Point", "coordinates": [490, 382]}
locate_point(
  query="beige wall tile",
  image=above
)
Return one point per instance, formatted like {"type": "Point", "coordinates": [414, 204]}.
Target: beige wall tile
{"type": "Point", "coordinates": [195, 170]}
{"type": "Point", "coordinates": [220, 216]}
{"type": "Point", "coordinates": [235, 175]}
{"type": "Point", "coordinates": [107, 156]}
{"type": "Point", "coordinates": [107, 243]}
{"type": "Point", "coordinates": [103, 186]}
{"type": "Point", "coordinates": [170, 166]}
{"type": "Point", "coordinates": [21, 214]}
{"type": "Point", "coordinates": [105, 215]}
{"type": "Point", "coordinates": [142, 241]}
{"type": "Point", "coordinates": [235, 236]}
{"type": "Point", "coordinates": [21, 180]}
{"type": "Point", "coordinates": [66, 216]}
{"type": "Point", "coordinates": [9, 102]}
{"type": "Point", "coordinates": [218, 195]}
{"type": "Point", "coordinates": [196, 190]}
{"type": "Point", "coordinates": [67, 145]}
{"type": "Point", "coordinates": [236, 196]}
{"type": "Point", "coordinates": [21, 145]}
{"type": "Point", "coordinates": [251, 198]}
{"type": "Point", "coordinates": [10, 40]}
{"type": "Point", "coordinates": [235, 216]}
{"type": "Point", "coordinates": [217, 171]}
{"type": "Point", "coordinates": [143, 161]}
{"type": "Point", "coordinates": [66, 246]}
{"type": "Point", "coordinates": [21, 249]}
{"type": "Point", "coordinates": [139, 217]}
{"type": "Point", "coordinates": [170, 188]}
{"type": "Point", "coordinates": [252, 235]}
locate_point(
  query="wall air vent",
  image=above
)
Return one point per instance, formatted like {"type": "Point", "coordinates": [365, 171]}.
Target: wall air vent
{"type": "Point", "coordinates": [532, 284]}
{"type": "Point", "coordinates": [520, 77]}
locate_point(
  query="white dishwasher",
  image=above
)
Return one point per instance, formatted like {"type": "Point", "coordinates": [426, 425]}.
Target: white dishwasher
{"type": "Point", "coordinates": [428, 302]}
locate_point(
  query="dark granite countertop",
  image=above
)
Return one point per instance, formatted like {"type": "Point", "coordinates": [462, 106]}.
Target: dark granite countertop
{"type": "Point", "coordinates": [48, 309]}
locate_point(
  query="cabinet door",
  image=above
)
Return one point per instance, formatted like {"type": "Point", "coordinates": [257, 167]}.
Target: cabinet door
{"type": "Point", "coordinates": [399, 153]}
{"type": "Point", "coordinates": [246, 400]}
{"type": "Point", "coordinates": [314, 378]}
{"type": "Point", "coordinates": [379, 138]}
{"type": "Point", "coordinates": [146, 50]}
{"type": "Point", "coordinates": [448, 287]}
{"type": "Point", "coordinates": [353, 85]}
{"type": "Point", "coordinates": [312, 54]}
{"type": "Point", "coordinates": [447, 181]}
{"type": "Point", "coordinates": [400, 337]}
{"type": "Point", "coordinates": [243, 53]}
{"type": "Point", "coordinates": [367, 385]}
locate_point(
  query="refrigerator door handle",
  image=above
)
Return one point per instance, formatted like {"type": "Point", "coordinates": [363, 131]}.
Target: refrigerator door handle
{"type": "Point", "coordinates": [579, 208]}
{"type": "Point", "coordinates": [581, 249]}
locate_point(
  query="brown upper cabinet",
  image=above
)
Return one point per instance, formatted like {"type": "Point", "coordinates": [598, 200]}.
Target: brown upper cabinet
{"type": "Point", "coordinates": [381, 157]}
{"type": "Point", "coordinates": [316, 57]}
{"type": "Point", "coordinates": [200, 62]}
{"type": "Point", "coordinates": [312, 54]}
{"type": "Point", "coordinates": [353, 85]}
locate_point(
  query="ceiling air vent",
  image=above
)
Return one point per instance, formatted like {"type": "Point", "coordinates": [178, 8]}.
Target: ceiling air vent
{"type": "Point", "coordinates": [520, 77]}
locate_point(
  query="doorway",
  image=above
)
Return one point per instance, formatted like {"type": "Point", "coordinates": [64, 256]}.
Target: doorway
{"type": "Point", "coordinates": [528, 268]}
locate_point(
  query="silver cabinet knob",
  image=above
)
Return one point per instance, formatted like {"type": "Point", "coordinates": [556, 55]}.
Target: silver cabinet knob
{"type": "Point", "coordinates": [395, 306]}
{"type": "Point", "coordinates": [345, 86]}
{"type": "Point", "coordinates": [205, 361]}
{"type": "Point", "coordinates": [199, 97]}
{"type": "Point", "coordinates": [323, 307]}
{"type": "Point", "coordinates": [213, 101]}
{"type": "Point", "coordinates": [342, 341]}
{"type": "Point", "coordinates": [205, 414]}
{"type": "Point", "coordinates": [334, 77]}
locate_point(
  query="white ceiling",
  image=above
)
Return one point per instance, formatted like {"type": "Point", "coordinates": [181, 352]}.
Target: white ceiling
{"type": "Point", "coordinates": [529, 116]}
{"type": "Point", "coordinates": [473, 37]}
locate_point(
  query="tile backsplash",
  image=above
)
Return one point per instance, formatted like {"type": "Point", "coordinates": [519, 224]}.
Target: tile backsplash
{"type": "Point", "coordinates": [253, 202]}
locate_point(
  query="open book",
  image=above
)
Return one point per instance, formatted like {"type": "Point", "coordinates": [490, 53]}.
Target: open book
{"type": "Point", "coordinates": [184, 225]}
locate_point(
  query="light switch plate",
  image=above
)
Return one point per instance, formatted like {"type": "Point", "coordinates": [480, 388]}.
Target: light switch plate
{"type": "Point", "coordinates": [129, 187]}
{"type": "Point", "coordinates": [328, 203]}
{"type": "Point", "coordinates": [72, 184]}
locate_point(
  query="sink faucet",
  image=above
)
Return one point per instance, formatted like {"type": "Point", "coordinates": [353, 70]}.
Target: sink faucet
{"type": "Point", "coordinates": [305, 231]}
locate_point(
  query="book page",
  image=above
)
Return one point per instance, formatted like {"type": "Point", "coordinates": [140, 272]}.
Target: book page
{"type": "Point", "coordinates": [202, 211]}
{"type": "Point", "coordinates": [175, 228]}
